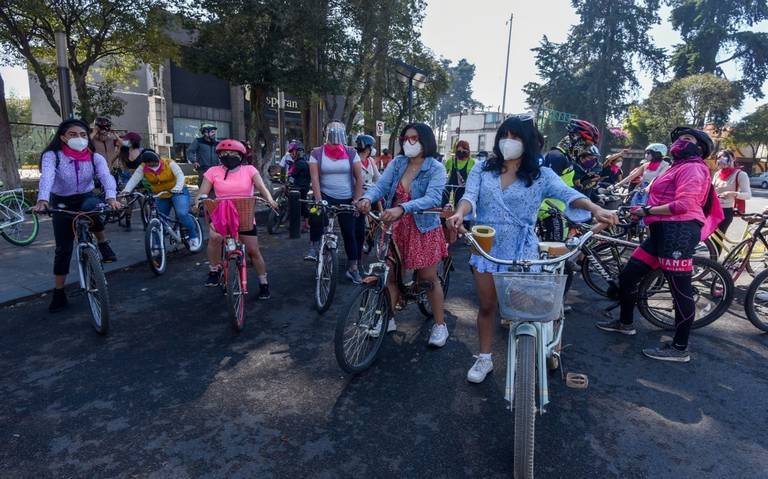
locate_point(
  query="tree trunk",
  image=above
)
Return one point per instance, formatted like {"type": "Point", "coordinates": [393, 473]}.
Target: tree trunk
{"type": "Point", "coordinates": [259, 133]}
{"type": "Point", "coordinates": [9, 167]}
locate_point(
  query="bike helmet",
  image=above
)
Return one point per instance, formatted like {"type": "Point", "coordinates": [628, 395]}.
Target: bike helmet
{"type": "Point", "coordinates": [702, 139]}
{"type": "Point", "coordinates": [231, 145]}
{"type": "Point", "coordinates": [103, 122]}
{"type": "Point", "coordinates": [294, 146]}
{"type": "Point", "coordinates": [364, 141]}
{"type": "Point", "coordinates": [206, 127]}
{"type": "Point", "coordinates": [658, 150]}
{"type": "Point", "coordinates": [584, 129]}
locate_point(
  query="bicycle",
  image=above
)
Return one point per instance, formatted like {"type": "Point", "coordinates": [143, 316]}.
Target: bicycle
{"type": "Point", "coordinates": [161, 227]}
{"type": "Point", "coordinates": [533, 304]}
{"type": "Point", "coordinates": [756, 301]}
{"type": "Point", "coordinates": [277, 218]}
{"type": "Point", "coordinates": [360, 332]}
{"type": "Point", "coordinates": [234, 258]}
{"type": "Point", "coordinates": [751, 254]}
{"type": "Point", "coordinates": [92, 279]}
{"type": "Point", "coordinates": [17, 226]}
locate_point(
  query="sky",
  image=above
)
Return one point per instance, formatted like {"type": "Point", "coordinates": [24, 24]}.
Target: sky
{"type": "Point", "coordinates": [477, 30]}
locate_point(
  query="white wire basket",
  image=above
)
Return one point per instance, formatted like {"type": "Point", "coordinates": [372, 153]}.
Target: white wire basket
{"type": "Point", "coordinates": [536, 297]}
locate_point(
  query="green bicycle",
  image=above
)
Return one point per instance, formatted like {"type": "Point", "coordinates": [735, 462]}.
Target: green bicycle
{"type": "Point", "coordinates": [17, 226]}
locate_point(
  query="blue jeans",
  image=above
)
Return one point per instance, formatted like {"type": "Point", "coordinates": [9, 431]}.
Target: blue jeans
{"type": "Point", "coordinates": [180, 203]}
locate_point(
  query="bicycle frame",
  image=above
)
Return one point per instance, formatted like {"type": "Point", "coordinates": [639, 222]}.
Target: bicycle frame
{"type": "Point", "coordinates": [8, 216]}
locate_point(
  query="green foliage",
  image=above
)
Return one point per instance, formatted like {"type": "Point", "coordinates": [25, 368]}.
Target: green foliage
{"type": "Point", "coordinates": [458, 96]}
{"type": "Point", "coordinates": [104, 38]}
{"type": "Point", "coordinates": [752, 130]}
{"type": "Point", "coordinates": [716, 32]}
{"type": "Point", "coordinates": [19, 109]}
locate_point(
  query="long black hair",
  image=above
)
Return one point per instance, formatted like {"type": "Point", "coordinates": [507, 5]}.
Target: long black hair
{"type": "Point", "coordinates": [426, 138]}
{"type": "Point", "coordinates": [56, 144]}
{"type": "Point", "coordinates": [523, 128]}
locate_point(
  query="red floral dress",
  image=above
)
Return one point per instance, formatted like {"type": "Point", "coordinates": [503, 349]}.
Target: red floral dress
{"type": "Point", "coordinates": [418, 250]}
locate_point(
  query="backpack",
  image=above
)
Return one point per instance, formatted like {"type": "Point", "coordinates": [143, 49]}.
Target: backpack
{"type": "Point", "coordinates": [739, 206]}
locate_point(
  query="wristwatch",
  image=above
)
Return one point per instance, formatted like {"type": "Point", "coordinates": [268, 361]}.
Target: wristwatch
{"type": "Point", "coordinates": [647, 210]}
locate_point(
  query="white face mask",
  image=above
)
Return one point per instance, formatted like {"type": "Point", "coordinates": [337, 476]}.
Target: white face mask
{"type": "Point", "coordinates": [619, 163]}
{"type": "Point", "coordinates": [411, 150]}
{"type": "Point", "coordinates": [77, 144]}
{"type": "Point", "coordinates": [511, 149]}
{"type": "Point", "coordinates": [126, 143]}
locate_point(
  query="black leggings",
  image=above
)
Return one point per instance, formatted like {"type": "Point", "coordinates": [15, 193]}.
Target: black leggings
{"type": "Point", "coordinates": [352, 228]}
{"type": "Point", "coordinates": [62, 226]}
{"type": "Point", "coordinates": [727, 220]}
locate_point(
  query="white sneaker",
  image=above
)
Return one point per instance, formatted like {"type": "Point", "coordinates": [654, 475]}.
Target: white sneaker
{"type": "Point", "coordinates": [195, 244]}
{"type": "Point", "coordinates": [439, 335]}
{"type": "Point", "coordinates": [391, 327]}
{"type": "Point", "coordinates": [762, 295]}
{"type": "Point", "coordinates": [479, 370]}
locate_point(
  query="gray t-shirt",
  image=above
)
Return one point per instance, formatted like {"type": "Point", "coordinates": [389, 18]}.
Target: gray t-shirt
{"type": "Point", "coordinates": [335, 177]}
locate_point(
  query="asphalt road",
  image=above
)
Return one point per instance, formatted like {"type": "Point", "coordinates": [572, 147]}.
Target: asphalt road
{"type": "Point", "coordinates": [173, 393]}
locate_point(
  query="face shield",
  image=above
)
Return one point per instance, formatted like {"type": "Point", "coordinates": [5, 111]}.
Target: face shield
{"type": "Point", "coordinates": [335, 134]}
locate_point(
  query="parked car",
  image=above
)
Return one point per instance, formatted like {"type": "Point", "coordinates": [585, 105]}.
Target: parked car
{"type": "Point", "coordinates": [760, 180]}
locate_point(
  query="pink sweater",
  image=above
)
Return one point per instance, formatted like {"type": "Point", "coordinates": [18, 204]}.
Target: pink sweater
{"type": "Point", "coordinates": [684, 186]}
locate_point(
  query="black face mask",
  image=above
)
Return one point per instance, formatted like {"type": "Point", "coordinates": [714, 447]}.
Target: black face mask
{"type": "Point", "coordinates": [230, 162]}
{"type": "Point", "coordinates": [462, 154]}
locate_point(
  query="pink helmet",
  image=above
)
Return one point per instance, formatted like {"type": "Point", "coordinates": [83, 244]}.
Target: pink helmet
{"type": "Point", "coordinates": [231, 145]}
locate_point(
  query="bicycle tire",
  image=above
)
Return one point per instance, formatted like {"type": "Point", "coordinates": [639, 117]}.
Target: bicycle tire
{"type": "Point", "coordinates": [751, 309]}
{"type": "Point", "coordinates": [235, 294]}
{"type": "Point", "coordinates": [525, 406]}
{"type": "Point", "coordinates": [711, 249]}
{"type": "Point", "coordinates": [15, 203]}
{"type": "Point", "coordinates": [146, 212]}
{"type": "Point", "coordinates": [588, 271]}
{"type": "Point", "coordinates": [274, 218]}
{"type": "Point", "coordinates": [367, 313]}
{"type": "Point", "coordinates": [154, 247]}
{"type": "Point", "coordinates": [327, 271]}
{"type": "Point", "coordinates": [654, 284]}
{"type": "Point", "coordinates": [199, 235]}
{"type": "Point", "coordinates": [96, 289]}
{"type": "Point", "coordinates": [444, 276]}
{"type": "Point", "coordinates": [736, 258]}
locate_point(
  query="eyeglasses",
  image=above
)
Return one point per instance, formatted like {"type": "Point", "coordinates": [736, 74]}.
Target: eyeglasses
{"type": "Point", "coordinates": [410, 138]}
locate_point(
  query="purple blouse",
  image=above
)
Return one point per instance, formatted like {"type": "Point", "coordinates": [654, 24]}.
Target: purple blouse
{"type": "Point", "coordinates": [70, 179]}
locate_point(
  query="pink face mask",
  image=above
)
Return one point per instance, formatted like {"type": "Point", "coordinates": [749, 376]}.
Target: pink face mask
{"type": "Point", "coordinates": [682, 149]}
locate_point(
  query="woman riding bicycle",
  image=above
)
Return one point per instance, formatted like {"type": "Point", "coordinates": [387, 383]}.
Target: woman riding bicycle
{"type": "Point", "coordinates": [68, 168]}
{"type": "Point", "coordinates": [731, 185]}
{"type": "Point", "coordinates": [413, 182]}
{"type": "Point", "coordinates": [165, 176]}
{"type": "Point", "coordinates": [338, 179]}
{"type": "Point", "coordinates": [505, 192]}
{"type": "Point", "coordinates": [233, 179]}
{"type": "Point", "coordinates": [679, 203]}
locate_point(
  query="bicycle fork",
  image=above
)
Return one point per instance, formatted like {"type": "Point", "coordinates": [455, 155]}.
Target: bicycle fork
{"type": "Point", "coordinates": [540, 332]}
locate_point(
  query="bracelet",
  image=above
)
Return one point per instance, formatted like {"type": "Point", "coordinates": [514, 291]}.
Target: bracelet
{"type": "Point", "coordinates": [647, 209]}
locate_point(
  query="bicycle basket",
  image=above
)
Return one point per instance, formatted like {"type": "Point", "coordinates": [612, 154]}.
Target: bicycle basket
{"type": "Point", "coordinates": [534, 297]}
{"type": "Point", "coordinates": [245, 209]}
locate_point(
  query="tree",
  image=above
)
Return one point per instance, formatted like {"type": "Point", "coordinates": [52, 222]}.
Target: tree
{"type": "Point", "coordinates": [19, 109]}
{"type": "Point", "coordinates": [458, 97]}
{"type": "Point", "coordinates": [752, 130]}
{"type": "Point", "coordinates": [107, 40]}
{"type": "Point", "coordinates": [9, 168]}
{"type": "Point", "coordinates": [716, 32]}
{"type": "Point", "coordinates": [593, 72]}
{"type": "Point", "coordinates": [696, 101]}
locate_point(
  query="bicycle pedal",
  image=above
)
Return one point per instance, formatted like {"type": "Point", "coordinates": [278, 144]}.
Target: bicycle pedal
{"type": "Point", "coordinates": [577, 381]}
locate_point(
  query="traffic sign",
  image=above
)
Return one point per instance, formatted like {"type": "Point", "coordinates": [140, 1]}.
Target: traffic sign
{"type": "Point", "coordinates": [379, 128]}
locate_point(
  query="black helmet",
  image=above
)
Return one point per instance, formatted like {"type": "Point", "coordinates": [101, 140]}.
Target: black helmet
{"type": "Point", "coordinates": [364, 141]}
{"type": "Point", "coordinates": [149, 156]}
{"type": "Point", "coordinates": [702, 139]}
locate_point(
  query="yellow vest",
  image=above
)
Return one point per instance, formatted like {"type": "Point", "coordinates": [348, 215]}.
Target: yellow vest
{"type": "Point", "coordinates": [163, 180]}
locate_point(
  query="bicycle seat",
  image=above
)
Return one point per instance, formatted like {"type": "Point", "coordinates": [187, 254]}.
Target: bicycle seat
{"type": "Point", "coordinates": [553, 248]}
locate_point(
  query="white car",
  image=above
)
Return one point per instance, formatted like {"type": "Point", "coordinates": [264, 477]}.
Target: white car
{"type": "Point", "coordinates": [760, 180]}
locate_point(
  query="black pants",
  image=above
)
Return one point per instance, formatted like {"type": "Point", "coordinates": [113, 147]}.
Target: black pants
{"type": "Point", "coordinates": [727, 220]}
{"type": "Point", "coordinates": [671, 246]}
{"type": "Point", "coordinates": [62, 226]}
{"type": "Point", "coordinates": [352, 228]}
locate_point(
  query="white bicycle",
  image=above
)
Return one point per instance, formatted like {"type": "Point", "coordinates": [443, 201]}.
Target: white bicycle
{"type": "Point", "coordinates": [532, 303]}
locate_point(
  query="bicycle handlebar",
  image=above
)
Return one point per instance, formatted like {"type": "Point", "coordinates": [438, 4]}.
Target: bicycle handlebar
{"type": "Point", "coordinates": [527, 262]}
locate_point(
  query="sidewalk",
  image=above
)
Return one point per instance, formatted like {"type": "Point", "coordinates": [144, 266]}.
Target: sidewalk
{"type": "Point", "coordinates": [29, 270]}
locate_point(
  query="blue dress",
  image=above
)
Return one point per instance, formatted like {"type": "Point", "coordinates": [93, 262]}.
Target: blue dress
{"type": "Point", "coordinates": [512, 212]}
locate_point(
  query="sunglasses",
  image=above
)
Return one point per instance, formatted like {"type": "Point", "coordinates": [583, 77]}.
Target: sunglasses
{"type": "Point", "coordinates": [410, 139]}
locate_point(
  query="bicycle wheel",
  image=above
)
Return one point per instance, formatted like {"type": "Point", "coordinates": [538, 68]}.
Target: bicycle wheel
{"type": "Point", "coordinates": [525, 406]}
{"type": "Point", "coordinates": [444, 276]}
{"type": "Point", "coordinates": [612, 259]}
{"type": "Point", "coordinates": [199, 230]}
{"type": "Point", "coordinates": [360, 333]}
{"type": "Point", "coordinates": [235, 293]}
{"type": "Point", "coordinates": [713, 292]}
{"type": "Point", "coordinates": [707, 249]}
{"type": "Point", "coordinates": [154, 246]}
{"type": "Point", "coordinates": [734, 261]}
{"type": "Point", "coordinates": [95, 289]}
{"type": "Point", "coordinates": [756, 301]}
{"type": "Point", "coordinates": [146, 211]}
{"type": "Point", "coordinates": [325, 280]}
{"type": "Point", "coordinates": [274, 218]}
{"type": "Point", "coordinates": [24, 232]}
{"type": "Point", "coordinates": [758, 260]}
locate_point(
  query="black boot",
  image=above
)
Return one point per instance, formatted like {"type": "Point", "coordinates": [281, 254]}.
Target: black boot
{"type": "Point", "coordinates": [58, 301]}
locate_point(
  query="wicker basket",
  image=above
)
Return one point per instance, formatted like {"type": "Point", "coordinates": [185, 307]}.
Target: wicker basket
{"type": "Point", "coordinates": [534, 297]}
{"type": "Point", "coordinates": [245, 208]}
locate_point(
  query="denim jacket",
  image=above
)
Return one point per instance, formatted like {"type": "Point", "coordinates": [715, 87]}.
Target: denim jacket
{"type": "Point", "coordinates": [426, 189]}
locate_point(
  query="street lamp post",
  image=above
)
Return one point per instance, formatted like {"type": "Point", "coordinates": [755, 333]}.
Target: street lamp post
{"type": "Point", "coordinates": [414, 77]}
{"type": "Point", "coordinates": [65, 91]}
{"type": "Point", "coordinates": [506, 68]}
